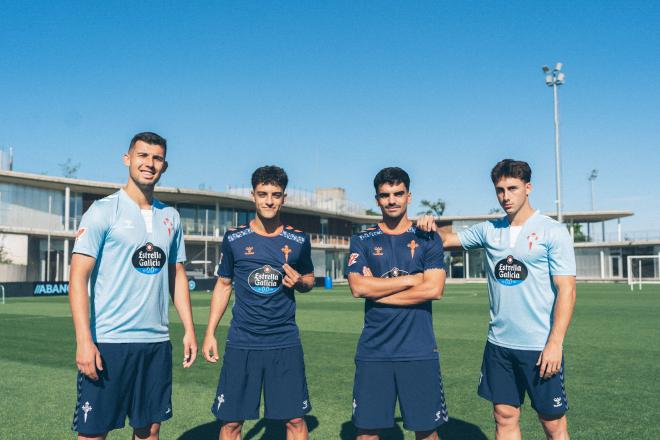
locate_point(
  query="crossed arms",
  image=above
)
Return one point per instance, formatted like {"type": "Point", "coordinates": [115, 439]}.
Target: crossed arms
{"type": "Point", "coordinates": [406, 290]}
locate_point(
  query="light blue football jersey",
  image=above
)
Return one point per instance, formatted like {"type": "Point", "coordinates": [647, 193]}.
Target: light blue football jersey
{"type": "Point", "coordinates": [520, 287]}
{"type": "Point", "coordinates": [129, 286]}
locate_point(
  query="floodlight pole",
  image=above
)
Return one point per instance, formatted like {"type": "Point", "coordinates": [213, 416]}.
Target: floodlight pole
{"type": "Point", "coordinates": [554, 79]}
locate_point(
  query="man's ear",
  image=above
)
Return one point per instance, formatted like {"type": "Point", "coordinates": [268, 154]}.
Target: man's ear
{"type": "Point", "coordinates": [165, 165]}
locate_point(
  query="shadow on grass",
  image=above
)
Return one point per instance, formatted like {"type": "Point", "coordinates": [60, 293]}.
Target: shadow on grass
{"type": "Point", "coordinates": [454, 429]}
{"type": "Point", "coordinates": [263, 430]}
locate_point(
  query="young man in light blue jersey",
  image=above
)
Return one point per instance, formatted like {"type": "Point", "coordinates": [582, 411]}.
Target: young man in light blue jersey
{"type": "Point", "coordinates": [531, 288]}
{"type": "Point", "coordinates": [129, 249]}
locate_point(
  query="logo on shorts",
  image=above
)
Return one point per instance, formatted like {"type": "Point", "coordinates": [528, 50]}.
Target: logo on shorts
{"type": "Point", "coordinates": [557, 401]}
{"type": "Point", "coordinates": [353, 259]}
{"type": "Point", "coordinates": [149, 259]}
{"type": "Point", "coordinates": [265, 280]}
{"type": "Point", "coordinates": [305, 404]}
{"type": "Point", "coordinates": [510, 271]}
{"type": "Point", "coordinates": [221, 400]}
{"type": "Point", "coordinates": [394, 272]}
{"type": "Point", "coordinates": [85, 409]}
{"type": "Point", "coordinates": [437, 416]}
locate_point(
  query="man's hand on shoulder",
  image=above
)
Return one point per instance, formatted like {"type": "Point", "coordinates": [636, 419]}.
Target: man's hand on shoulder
{"type": "Point", "coordinates": [426, 223]}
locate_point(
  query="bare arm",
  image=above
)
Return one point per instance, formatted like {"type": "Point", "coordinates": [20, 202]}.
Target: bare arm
{"type": "Point", "coordinates": [431, 288]}
{"type": "Point", "coordinates": [374, 287]}
{"type": "Point", "coordinates": [88, 358]}
{"type": "Point", "coordinates": [449, 239]}
{"type": "Point", "coordinates": [181, 297]}
{"type": "Point", "coordinates": [550, 358]}
{"type": "Point", "coordinates": [219, 302]}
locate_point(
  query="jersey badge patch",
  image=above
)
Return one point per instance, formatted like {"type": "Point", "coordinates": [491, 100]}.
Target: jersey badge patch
{"type": "Point", "coordinates": [169, 225]}
{"type": "Point", "coordinates": [286, 250]}
{"type": "Point", "coordinates": [510, 271]}
{"type": "Point", "coordinates": [80, 232]}
{"type": "Point", "coordinates": [265, 280]}
{"type": "Point", "coordinates": [394, 272]}
{"type": "Point", "coordinates": [249, 250]}
{"type": "Point", "coordinates": [352, 259]}
{"type": "Point", "coordinates": [378, 251]}
{"type": "Point", "coordinates": [148, 259]}
{"type": "Point", "coordinates": [531, 239]}
{"type": "Point", "coordinates": [412, 245]}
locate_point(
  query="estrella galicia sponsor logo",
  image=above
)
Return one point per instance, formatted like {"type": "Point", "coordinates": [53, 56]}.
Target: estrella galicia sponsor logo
{"type": "Point", "coordinates": [149, 259]}
{"type": "Point", "coordinates": [394, 272]}
{"type": "Point", "coordinates": [265, 280]}
{"type": "Point", "coordinates": [510, 271]}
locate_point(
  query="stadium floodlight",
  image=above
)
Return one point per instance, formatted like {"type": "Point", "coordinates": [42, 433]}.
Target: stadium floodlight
{"type": "Point", "coordinates": [554, 79]}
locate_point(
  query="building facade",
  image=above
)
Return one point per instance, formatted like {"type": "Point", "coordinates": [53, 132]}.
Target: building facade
{"type": "Point", "coordinates": [40, 214]}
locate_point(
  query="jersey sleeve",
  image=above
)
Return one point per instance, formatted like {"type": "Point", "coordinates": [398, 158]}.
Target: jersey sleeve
{"type": "Point", "coordinates": [474, 236]}
{"type": "Point", "coordinates": [357, 258]}
{"type": "Point", "coordinates": [304, 265]}
{"type": "Point", "coordinates": [225, 267]}
{"type": "Point", "coordinates": [178, 247]}
{"type": "Point", "coordinates": [435, 254]}
{"type": "Point", "coordinates": [91, 234]}
{"type": "Point", "coordinates": [561, 256]}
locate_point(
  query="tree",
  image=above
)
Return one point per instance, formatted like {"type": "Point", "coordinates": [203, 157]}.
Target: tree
{"type": "Point", "coordinates": [495, 210]}
{"type": "Point", "coordinates": [435, 209]}
{"type": "Point", "coordinates": [578, 235]}
{"type": "Point", "coordinates": [69, 169]}
{"type": "Point", "coordinates": [371, 212]}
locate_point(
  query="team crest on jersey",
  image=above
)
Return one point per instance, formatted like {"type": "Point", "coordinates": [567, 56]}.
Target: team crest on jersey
{"type": "Point", "coordinates": [169, 225]}
{"type": "Point", "coordinates": [249, 250]}
{"type": "Point", "coordinates": [286, 250]}
{"type": "Point", "coordinates": [412, 246]}
{"type": "Point", "coordinates": [352, 259]}
{"type": "Point", "coordinates": [378, 251]}
{"type": "Point", "coordinates": [510, 271]}
{"type": "Point", "coordinates": [265, 281]}
{"type": "Point", "coordinates": [148, 259]}
{"type": "Point", "coordinates": [394, 272]}
{"type": "Point", "coordinates": [531, 239]}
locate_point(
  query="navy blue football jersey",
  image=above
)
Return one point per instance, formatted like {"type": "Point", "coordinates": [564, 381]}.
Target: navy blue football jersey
{"type": "Point", "coordinates": [264, 310]}
{"type": "Point", "coordinates": [396, 333]}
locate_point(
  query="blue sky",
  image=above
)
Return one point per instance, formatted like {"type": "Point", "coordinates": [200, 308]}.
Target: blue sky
{"type": "Point", "coordinates": [334, 91]}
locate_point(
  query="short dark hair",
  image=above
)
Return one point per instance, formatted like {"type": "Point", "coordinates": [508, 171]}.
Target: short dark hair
{"type": "Point", "coordinates": [270, 174]}
{"type": "Point", "coordinates": [511, 168]}
{"type": "Point", "coordinates": [393, 176]}
{"type": "Point", "coordinates": [149, 138]}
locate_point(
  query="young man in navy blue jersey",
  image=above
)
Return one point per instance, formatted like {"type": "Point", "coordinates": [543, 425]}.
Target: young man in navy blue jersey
{"type": "Point", "coordinates": [398, 270]}
{"type": "Point", "coordinates": [267, 261]}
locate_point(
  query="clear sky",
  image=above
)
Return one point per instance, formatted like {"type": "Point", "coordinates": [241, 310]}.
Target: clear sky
{"type": "Point", "coordinates": [333, 91]}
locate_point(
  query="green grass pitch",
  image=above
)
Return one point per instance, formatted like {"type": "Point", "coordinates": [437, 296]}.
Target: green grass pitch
{"type": "Point", "coordinates": [612, 367]}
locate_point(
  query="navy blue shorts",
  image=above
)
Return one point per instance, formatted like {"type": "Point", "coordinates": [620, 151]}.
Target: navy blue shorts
{"type": "Point", "coordinates": [506, 374]}
{"type": "Point", "coordinates": [418, 385]}
{"type": "Point", "coordinates": [282, 373]}
{"type": "Point", "coordinates": [136, 381]}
